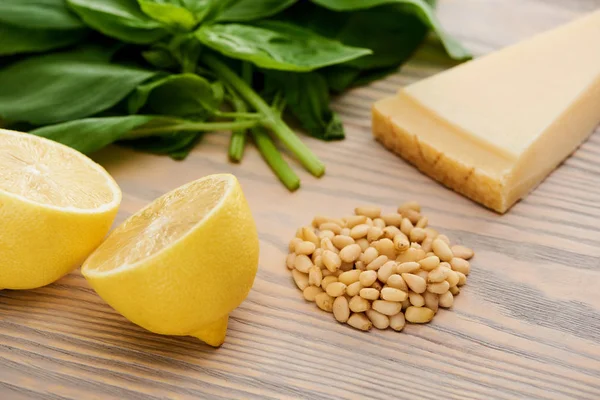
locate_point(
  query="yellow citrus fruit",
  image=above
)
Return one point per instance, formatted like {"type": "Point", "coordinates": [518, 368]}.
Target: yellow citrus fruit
{"type": "Point", "coordinates": [183, 263]}
{"type": "Point", "coordinates": [56, 206]}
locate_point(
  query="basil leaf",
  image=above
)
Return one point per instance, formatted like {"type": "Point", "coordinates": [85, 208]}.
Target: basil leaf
{"type": "Point", "coordinates": [184, 95]}
{"type": "Point", "coordinates": [15, 40]}
{"type": "Point", "coordinates": [177, 14]}
{"type": "Point", "coordinates": [121, 19]}
{"type": "Point", "coordinates": [39, 14]}
{"type": "Point", "coordinates": [277, 45]}
{"type": "Point", "coordinates": [63, 86]}
{"type": "Point", "coordinates": [177, 145]}
{"type": "Point", "coordinates": [307, 97]}
{"type": "Point", "coordinates": [92, 134]}
{"type": "Point", "coordinates": [420, 8]}
{"type": "Point", "coordinates": [250, 10]}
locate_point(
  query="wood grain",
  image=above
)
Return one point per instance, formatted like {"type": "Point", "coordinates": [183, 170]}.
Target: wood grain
{"type": "Point", "coordinates": [527, 325]}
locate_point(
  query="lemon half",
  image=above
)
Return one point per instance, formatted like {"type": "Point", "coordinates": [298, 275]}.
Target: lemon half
{"type": "Point", "coordinates": [56, 206]}
{"type": "Point", "coordinates": [183, 263]}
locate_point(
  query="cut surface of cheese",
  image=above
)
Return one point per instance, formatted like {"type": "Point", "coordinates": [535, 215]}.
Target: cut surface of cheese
{"type": "Point", "coordinates": [495, 127]}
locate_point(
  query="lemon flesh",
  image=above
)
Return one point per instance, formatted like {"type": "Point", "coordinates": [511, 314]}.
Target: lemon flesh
{"type": "Point", "coordinates": [183, 263]}
{"type": "Point", "coordinates": [56, 206]}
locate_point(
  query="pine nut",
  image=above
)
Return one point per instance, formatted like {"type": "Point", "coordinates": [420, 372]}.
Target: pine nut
{"type": "Point", "coordinates": [363, 243]}
{"type": "Point", "coordinates": [462, 252]}
{"type": "Point", "coordinates": [318, 261]}
{"type": "Point", "coordinates": [340, 241]}
{"type": "Point", "coordinates": [417, 235]}
{"type": "Point", "coordinates": [406, 226]}
{"type": "Point", "coordinates": [354, 220]}
{"type": "Point", "coordinates": [444, 238]}
{"type": "Point", "coordinates": [303, 263]}
{"type": "Point", "coordinates": [367, 278]}
{"type": "Point", "coordinates": [311, 292]}
{"type": "Point", "coordinates": [319, 220]}
{"type": "Point", "coordinates": [386, 271]}
{"type": "Point", "coordinates": [326, 272]}
{"type": "Point", "coordinates": [359, 231]}
{"type": "Point", "coordinates": [374, 233]}
{"type": "Point", "coordinates": [438, 288]}
{"type": "Point", "coordinates": [422, 223]}
{"type": "Point", "coordinates": [397, 282]}
{"type": "Point", "coordinates": [324, 302]}
{"type": "Point", "coordinates": [455, 290]}
{"type": "Point", "coordinates": [438, 275]}
{"type": "Point", "coordinates": [369, 293]}
{"type": "Point", "coordinates": [416, 299]}
{"type": "Point", "coordinates": [418, 315]}
{"type": "Point", "coordinates": [410, 266]}
{"type": "Point", "coordinates": [414, 282]}
{"type": "Point", "coordinates": [299, 234]}
{"type": "Point", "coordinates": [405, 304]}
{"type": "Point", "coordinates": [377, 263]}
{"type": "Point", "coordinates": [358, 304]}
{"type": "Point", "coordinates": [397, 322]}
{"type": "Point", "coordinates": [369, 222]}
{"type": "Point", "coordinates": [462, 278]}
{"type": "Point", "coordinates": [431, 232]}
{"type": "Point", "coordinates": [336, 289]}
{"type": "Point", "coordinates": [290, 260]}
{"type": "Point", "coordinates": [318, 251]}
{"type": "Point", "coordinates": [341, 310]}
{"type": "Point", "coordinates": [452, 278]}
{"type": "Point", "coordinates": [422, 274]}
{"type": "Point", "coordinates": [379, 320]}
{"type": "Point", "coordinates": [412, 215]}
{"type": "Point", "coordinates": [349, 277]}
{"type": "Point", "coordinates": [327, 281]}
{"type": "Point", "coordinates": [326, 234]}
{"type": "Point", "coordinates": [326, 244]}
{"type": "Point", "coordinates": [315, 276]}
{"type": "Point", "coordinates": [377, 285]}
{"type": "Point", "coordinates": [411, 254]}
{"type": "Point", "coordinates": [345, 232]}
{"type": "Point", "coordinates": [446, 300]}
{"type": "Point", "coordinates": [360, 321]}
{"type": "Point", "coordinates": [386, 247]}
{"type": "Point", "coordinates": [360, 266]}
{"type": "Point", "coordinates": [309, 235]}
{"type": "Point", "coordinates": [385, 307]}
{"type": "Point", "coordinates": [390, 232]}
{"type": "Point", "coordinates": [379, 223]}
{"type": "Point", "coordinates": [392, 219]}
{"type": "Point", "coordinates": [369, 255]}
{"type": "Point", "coordinates": [331, 226]}
{"type": "Point", "coordinates": [293, 243]}
{"type": "Point", "coordinates": [350, 253]}
{"type": "Point", "coordinates": [300, 279]}
{"type": "Point", "coordinates": [368, 211]}
{"type": "Point", "coordinates": [409, 205]}
{"type": "Point", "coordinates": [305, 248]}
{"type": "Point", "coordinates": [353, 289]}
{"type": "Point", "coordinates": [460, 265]}
{"type": "Point", "coordinates": [331, 260]}
{"type": "Point", "coordinates": [426, 244]}
{"type": "Point", "coordinates": [441, 249]}
{"type": "Point", "coordinates": [431, 301]}
{"type": "Point", "coordinates": [430, 263]}
{"type": "Point", "coordinates": [393, 294]}
{"type": "Point", "coordinates": [401, 242]}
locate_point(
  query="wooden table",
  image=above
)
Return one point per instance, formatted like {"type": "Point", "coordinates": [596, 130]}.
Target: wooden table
{"type": "Point", "coordinates": [527, 325]}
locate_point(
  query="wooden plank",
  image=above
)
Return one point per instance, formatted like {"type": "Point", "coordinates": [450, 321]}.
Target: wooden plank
{"type": "Point", "coordinates": [527, 325]}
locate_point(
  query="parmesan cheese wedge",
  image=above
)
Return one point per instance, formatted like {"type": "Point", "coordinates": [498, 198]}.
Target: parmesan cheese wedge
{"type": "Point", "coordinates": [492, 129]}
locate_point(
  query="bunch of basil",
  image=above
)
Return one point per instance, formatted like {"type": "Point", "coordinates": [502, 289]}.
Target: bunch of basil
{"type": "Point", "coordinates": [156, 74]}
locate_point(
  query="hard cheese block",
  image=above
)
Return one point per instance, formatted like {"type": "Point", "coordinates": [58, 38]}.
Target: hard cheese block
{"type": "Point", "coordinates": [494, 128]}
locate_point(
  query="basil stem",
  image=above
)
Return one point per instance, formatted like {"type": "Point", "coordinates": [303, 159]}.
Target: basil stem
{"type": "Point", "coordinates": [191, 127]}
{"type": "Point", "coordinates": [238, 136]}
{"type": "Point", "coordinates": [273, 157]}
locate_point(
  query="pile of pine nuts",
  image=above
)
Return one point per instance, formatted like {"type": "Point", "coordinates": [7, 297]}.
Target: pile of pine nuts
{"type": "Point", "coordinates": [378, 270]}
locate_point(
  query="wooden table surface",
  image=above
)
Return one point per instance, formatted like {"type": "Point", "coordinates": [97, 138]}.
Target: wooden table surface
{"type": "Point", "coordinates": [527, 325]}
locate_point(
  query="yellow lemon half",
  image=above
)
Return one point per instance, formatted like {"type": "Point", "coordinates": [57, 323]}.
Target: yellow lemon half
{"type": "Point", "coordinates": [56, 206]}
{"type": "Point", "coordinates": [183, 263]}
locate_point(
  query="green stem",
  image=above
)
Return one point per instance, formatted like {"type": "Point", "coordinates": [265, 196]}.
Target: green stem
{"type": "Point", "coordinates": [192, 127]}
{"type": "Point", "coordinates": [237, 144]}
{"type": "Point", "coordinates": [240, 115]}
{"type": "Point", "coordinates": [272, 121]}
{"type": "Point", "coordinates": [273, 157]}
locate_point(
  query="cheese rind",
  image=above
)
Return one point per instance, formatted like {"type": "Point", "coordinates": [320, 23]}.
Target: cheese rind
{"type": "Point", "coordinates": [493, 128]}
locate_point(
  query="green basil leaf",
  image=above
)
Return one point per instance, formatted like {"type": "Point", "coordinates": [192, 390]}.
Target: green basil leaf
{"type": "Point", "coordinates": [277, 45]}
{"type": "Point", "coordinates": [307, 97]}
{"type": "Point", "coordinates": [15, 40]}
{"type": "Point", "coordinates": [177, 145]}
{"type": "Point", "coordinates": [160, 58]}
{"type": "Point", "coordinates": [64, 86]}
{"type": "Point", "coordinates": [250, 10]}
{"type": "Point", "coordinates": [420, 8]}
{"type": "Point", "coordinates": [39, 14]}
{"type": "Point", "coordinates": [121, 19]}
{"type": "Point", "coordinates": [184, 95]}
{"type": "Point", "coordinates": [174, 13]}
{"type": "Point", "coordinates": [92, 134]}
